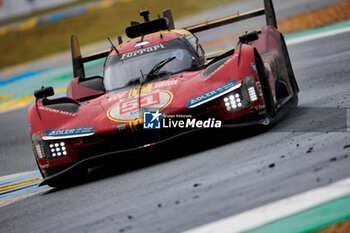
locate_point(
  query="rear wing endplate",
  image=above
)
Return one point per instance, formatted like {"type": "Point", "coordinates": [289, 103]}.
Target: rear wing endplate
{"type": "Point", "coordinates": [268, 11]}
{"type": "Point", "coordinates": [78, 61]}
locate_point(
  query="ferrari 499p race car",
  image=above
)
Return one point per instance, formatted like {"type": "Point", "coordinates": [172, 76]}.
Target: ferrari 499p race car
{"type": "Point", "coordinates": [156, 82]}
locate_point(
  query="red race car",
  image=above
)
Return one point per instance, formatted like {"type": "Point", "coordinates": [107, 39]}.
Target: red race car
{"type": "Point", "coordinates": [157, 86]}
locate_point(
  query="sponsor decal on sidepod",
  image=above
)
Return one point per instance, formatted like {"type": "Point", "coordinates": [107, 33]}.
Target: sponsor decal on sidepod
{"type": "Point", "coordinates": [210, 94]}
{"type": "Point", "coordinates": [70, 132]}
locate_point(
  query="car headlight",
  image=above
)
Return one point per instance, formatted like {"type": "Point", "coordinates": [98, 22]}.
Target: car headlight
{"type": "Point", "coordinates": [40, 151]}
{"type": "Point", "coordinates": [250, 87]}
{"type": "Point", "coordinates": [233, 101]}
{"type": "Point", "coordinates": [241, 97]}
{"type": "Point", "coordinates": [48, 149]}
{"type": "Point", "coordinates": [57, 148]}
{"type": "Point", "coordinates": [39, 146]}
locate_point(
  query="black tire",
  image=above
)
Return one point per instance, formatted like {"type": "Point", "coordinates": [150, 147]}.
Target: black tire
{"type": "Point", "coordinates": [271, 110]}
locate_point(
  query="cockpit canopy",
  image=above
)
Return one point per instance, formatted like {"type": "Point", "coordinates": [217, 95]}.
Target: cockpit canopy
{"type": "Point", "coordinates": [126, 69]}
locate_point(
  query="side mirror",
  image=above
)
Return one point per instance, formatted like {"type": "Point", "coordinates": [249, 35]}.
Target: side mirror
{"type": "Point", "coordinates": [44, 92]}
{"type": "Point", "coordinates": [248, 37]}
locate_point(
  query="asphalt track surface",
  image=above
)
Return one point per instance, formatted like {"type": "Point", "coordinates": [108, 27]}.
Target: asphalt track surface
{"type": "Point", "coordinates": [219, 174]}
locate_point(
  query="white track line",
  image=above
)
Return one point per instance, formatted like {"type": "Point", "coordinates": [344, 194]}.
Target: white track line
{"type": "Point", "coordinates": [317, 36]}
{"type": "Point", "coordinates": [276, 210]}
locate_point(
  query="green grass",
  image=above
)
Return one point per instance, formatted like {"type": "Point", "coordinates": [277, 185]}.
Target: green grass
{"type": "Point", "coordinates": [22, 46]}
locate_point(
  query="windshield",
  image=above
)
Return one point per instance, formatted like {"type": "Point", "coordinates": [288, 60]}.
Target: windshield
{"type": "Point", "coordinates": [125, 69]}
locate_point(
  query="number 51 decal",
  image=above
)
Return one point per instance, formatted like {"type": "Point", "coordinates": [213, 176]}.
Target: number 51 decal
{"type": "Point", "coordinates": [146, 100]}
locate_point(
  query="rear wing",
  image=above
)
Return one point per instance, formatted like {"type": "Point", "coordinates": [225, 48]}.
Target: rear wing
{"type": "Point", "coordinates": [167, 22]}
{"type": "Point", "coordinates": [268, 11]}
{"type": "Point", "coordinates": [78, 61]}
